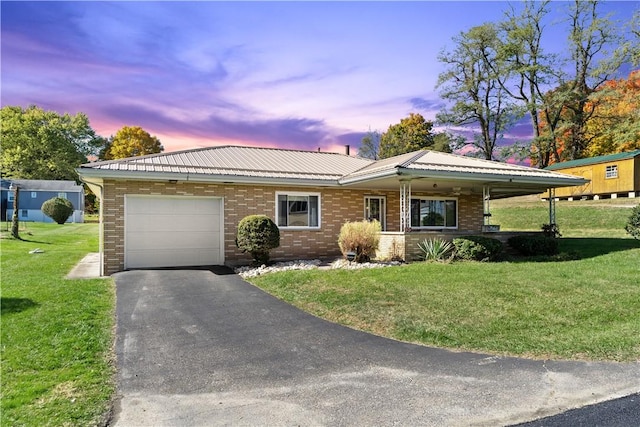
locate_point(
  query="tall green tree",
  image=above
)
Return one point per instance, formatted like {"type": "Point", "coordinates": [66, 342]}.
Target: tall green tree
{"type": "Point", "coordinates": [130, 141]}
{"type": "Point", "coordinates": [39, 144]}
{"type": "Point", "coordinates": [411, 134]}
{"type": "Point", "coordinates": [473, 83]}
{"type": "Point", "coordinates": [531, 69]}
{"type": "Point", "coordinates": [597, 49]}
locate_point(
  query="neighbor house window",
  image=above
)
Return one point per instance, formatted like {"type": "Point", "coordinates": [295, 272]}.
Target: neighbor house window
{"type": "Point", "coordinates": [611, 171]}
{"type": "Point", "coordinates": [62, 195]}
{"type": "Point", "coordinates": [298, 210]}
{"type": "Point", "coordinates": [34, 194]}
{"type": "Point", "coordinates": [24, 213]}
{"type": "Point", "coordinates": [434, 213]}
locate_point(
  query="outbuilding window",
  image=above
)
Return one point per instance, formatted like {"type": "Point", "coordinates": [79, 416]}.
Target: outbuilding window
{"type": "Point", "coordinates": [298, 210]}
{"type": "Point", "coordinates": [611, 171]}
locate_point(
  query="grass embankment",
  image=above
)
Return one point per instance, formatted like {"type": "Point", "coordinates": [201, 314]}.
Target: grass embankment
{"type": "Point", "coordinates": [581, 309]}
{"type": "Point", "coordinates": [56, 333]}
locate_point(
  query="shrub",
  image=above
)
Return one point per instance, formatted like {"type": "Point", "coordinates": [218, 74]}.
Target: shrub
{"type": "Point", "coordinates": [436, 249]}
{"type": "Point", "coordinates": [258, 234]}
{"type": "Point", "coordinates": [58, 209]}
{"type": "Point", "coordinates": [477, 248]}
{"type": "Point", "coordinates": [360, 238]}
{"type": "Point", "coordinates": [633, 224]}
{"type": "Point", "coordinates": [551, 230]}
{"type": "Point", "coordinates": [534, 245]}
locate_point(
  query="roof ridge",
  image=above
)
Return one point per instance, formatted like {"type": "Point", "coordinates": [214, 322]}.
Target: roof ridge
{"type": "Point", "coordinates": [418, 154]}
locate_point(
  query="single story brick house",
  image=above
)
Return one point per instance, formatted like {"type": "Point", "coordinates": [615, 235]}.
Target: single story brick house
{"type": "Point", "coordinates": [183, 208]}
{"type": "Point", "coordinates": [34, 192]}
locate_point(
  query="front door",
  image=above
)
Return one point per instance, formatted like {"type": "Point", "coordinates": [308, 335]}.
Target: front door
{"type": "Point", "coordinates": [375, 208]}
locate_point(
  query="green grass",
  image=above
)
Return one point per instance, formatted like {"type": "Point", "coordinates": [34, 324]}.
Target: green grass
{"type": "Point", "coordinates": [584, 218]}
{"type": "Point", "coordinates": [57, 363]}
{"type": "Point", "coordinates": [586, 309]}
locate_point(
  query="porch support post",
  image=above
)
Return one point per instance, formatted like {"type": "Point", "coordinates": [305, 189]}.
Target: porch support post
{"type": "Point", "coordinates": [486, 197]}
{"type": "Point", "coordinates": [405, 205]}
{"type": "Point", "coordinates": [552, 206]}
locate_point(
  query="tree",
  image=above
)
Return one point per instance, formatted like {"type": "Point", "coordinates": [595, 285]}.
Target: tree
{"type": "Point", "coordinates": [411, 134]}
{"type": "Point", "coordinates": [472, 82]}
{"type": "Point", "coordinates": [531, 69]}
{"type": "Point", "coordinates": [38, 144]}
{"type": "Point", "coordinates": [15, 221]}
{"type": "Point", "coordinates": [130, 141]}
{"type": "Point", "coordinates": [370, 145]}
{"type": "Point", "coordinates": [615, 124]}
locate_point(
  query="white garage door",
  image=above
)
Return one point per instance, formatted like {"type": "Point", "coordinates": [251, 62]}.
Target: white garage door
{"type": "Point", "coordinates": [163, 231]}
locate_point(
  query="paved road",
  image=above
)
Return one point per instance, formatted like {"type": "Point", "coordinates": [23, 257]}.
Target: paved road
{"type": "Point", "coordinates": [622, 412]}
{"type": "Point", "coordinates": [200, 348]}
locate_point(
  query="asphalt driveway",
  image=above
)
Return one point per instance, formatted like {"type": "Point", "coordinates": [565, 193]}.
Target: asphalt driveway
{"type": "Point", "coordinates": [196, 347]}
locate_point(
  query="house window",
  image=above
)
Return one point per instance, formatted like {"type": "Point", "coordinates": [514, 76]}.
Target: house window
{"type": "Point", "coordinates": [611, 171]}
{"type": "Point", "coordinates": [434, 213]}
{"type": "Point", "coordinates": [374, 208]}
{"type": "Point", "coordinates": [62, 195]}
{"type": "Point", "coordinates": [24, 213]}
{"type": "Point", "coordinates": [298, 210]}
{"type": "Point", "coordinates": [10, 196]}
{"type": "Point", "coordinates": [34, 194]}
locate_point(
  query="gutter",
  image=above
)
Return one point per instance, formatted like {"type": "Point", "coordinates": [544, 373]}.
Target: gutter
{"type": "Point", "coordinates": [87, 173]}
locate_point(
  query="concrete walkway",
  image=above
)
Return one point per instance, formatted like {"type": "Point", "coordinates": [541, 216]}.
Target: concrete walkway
{"type": "Point", "coordinates": [87, 268]}
{"type": "Point", "coordinates": [197, 348]}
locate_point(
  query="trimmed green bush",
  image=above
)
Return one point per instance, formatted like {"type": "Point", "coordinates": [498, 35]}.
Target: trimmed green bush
{"type": "Point", "coordinates": [436, 249]}
{"type": "Point", "coordinates": [360, 238]}
{"type": "Point", "coordinates": [257, 234]}
{"type": "Point", "coordinates": [633, 224]}
{"type": "Point", "coordinates": [58, 209]}
{"type": "Point", "coordinates": [534, 245]}
{"type": "Point", "coordinates": [477, 248]}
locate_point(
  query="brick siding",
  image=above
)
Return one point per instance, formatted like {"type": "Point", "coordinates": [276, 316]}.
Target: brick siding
{"type": "Point", "coordinates": [338, 205]}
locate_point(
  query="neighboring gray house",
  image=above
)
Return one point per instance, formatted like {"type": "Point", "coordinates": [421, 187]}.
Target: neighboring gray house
{"type": "Point", "coordinates": [34, 192]}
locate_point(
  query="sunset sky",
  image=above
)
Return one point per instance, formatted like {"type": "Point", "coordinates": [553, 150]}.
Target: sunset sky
{"type": "Point", "coordinates": [304, 75]}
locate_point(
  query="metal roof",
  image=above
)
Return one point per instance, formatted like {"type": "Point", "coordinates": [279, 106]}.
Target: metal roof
{"type": "Point", "coordinates": [435, 163]}
{"type": "Point", "coordinates": [594, 160]}
{"type": "Point", "coordinates": [268, 165]}
{"type": "Point", "coordinates": [236, 161]}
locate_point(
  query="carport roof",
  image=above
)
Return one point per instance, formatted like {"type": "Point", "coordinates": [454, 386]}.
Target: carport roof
{"type": "Point", "coordinates": [268, 165]}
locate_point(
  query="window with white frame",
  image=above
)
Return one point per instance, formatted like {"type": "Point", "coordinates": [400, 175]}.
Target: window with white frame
{"type": "Point", "coordinates": [298, 210]}
{"type": "Point", "coordinates": [434, 213]}
{"type": "Point", "coordinates": [611, 171]}
{"type": "Point", "coordinates": [62, 195]}
{"type": "Point", "coordinates": [34, 194]}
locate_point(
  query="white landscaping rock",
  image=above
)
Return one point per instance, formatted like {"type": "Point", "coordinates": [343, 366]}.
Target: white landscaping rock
{"type": "Point", "coordinates": [248, 272]}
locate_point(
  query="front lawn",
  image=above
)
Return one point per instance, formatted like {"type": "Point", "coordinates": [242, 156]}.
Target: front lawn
{"type": "Point", "coordinates": [586, 309]}
{"type": "Point", "coordinates": [56, 333]}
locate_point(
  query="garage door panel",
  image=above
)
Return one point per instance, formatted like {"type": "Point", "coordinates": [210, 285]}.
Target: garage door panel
{"type": "Point", "coordinates": [173, 240]}
{"type": "Point", "coordinates": [168, 223]}
{"type": "Point", "coordinates": [158, 258]}
{"type": "Point", "coordinates": [164, 231]}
